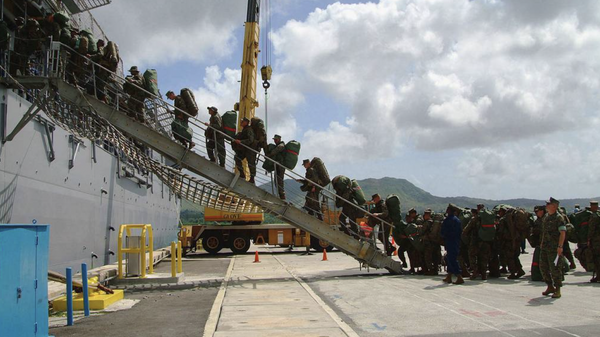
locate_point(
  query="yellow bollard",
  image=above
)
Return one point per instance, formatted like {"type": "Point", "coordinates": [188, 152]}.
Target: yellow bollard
{"type": "Point", "coordinates": [179, 263]}
{"type": "Point", "coordinates": [173, 257]}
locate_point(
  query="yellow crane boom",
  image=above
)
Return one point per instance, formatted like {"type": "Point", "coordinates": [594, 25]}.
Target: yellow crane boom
{"type": "Point", "coordinates": [248, 102]}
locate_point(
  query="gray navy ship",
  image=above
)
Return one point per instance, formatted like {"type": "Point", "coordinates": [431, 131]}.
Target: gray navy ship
{"type": "Point", "coordinates": [83, 189]}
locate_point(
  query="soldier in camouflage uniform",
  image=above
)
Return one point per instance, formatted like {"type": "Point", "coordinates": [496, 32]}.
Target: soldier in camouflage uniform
{"type": "Point", "coordinates": [343, 188]}
{"type": "Point", "coordinates": [567, 248]}
{"type": "Point", "coordinates": [312, 202]}
{"type": "Point", "coordinates": [380, 211]}
{"type": "Point", "coordinates": [279, 149]}
{"type": "Point", "coordinates": [412, 217]}
{"type": "Point", "coordinates": [499, 245]}
{"type": "Point", "coordinates": [245, 137]}
{"type": "Point", "coordinates": [28, 40]}
{"type": "Point", "coordinates": [180, 127]}
{"type": "Point", "coordinates": [135, 103]}
{"type": "Point", "coordinates": [594, 239]}
{"type": "Point", "coordinates": [554, 233]}
{"type": "Point", "coordinates": [535, 234]}
{"type": "Point", "coordinates": [510, 243]}
{"type": "Point", "coordinates": [432, 241]}
{"type": "Point", "coordinates": [470, 234]}
{"type": "Point", "coordinates": [215, 141]}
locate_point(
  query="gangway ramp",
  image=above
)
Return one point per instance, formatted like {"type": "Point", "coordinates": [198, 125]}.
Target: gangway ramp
{"type": "Point", "coordinates": [81, 113]}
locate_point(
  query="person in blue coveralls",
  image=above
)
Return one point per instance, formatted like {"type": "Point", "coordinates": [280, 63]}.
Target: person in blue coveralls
{"type": "Point", "coordinates": [451, 232]}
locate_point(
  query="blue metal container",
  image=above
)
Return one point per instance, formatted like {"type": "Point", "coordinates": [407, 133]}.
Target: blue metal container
{"type": "Point", "coordinates": [24, 280]}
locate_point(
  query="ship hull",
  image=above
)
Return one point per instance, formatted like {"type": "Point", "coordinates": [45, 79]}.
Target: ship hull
{"type": "Point", "coordinates": [83, 194]}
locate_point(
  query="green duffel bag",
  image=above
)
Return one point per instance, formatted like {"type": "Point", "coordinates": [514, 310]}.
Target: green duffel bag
{"type": "Point", "coordinates": [536, 274]}
{"type": "Point", "coordinates": [65, 37]}
{"type": "Point", "coordinates": [392, 202]}
{"type": "Point", "coordinates": [398, 231]}
{"type": "Point", "coordinates": [413, 233]}
{"type": "Point", "coordinates": [487, 228]}
{"type": "Point", "coordinates": [260, 132]}
{"type": "Point", "coordinates": [269, 165]}
{"type": "Point", "coordinates": [464, 216]}
{"type": "Point", "coordinates": [580, 221]}
{"type": "Point", "coordinates": [317, 164]}
{"type": "Point", "coordinates": [357, 192]}
{"type": "Point", "coordinates": [230, 123]}
{"type": "Point", "coordinates": [341, 184]}
{"type": "Point", "coordinates": [151, 81]}
{"type": "Point", "coordinates": [292, 150]}
{"type": "Point", "coordinates": [571, 233]}
{"type": "Point", "coordinates": [181, 129]}
{"type": "Point", "coordinates": [62, 18]}
{"type": "Point", "coordinates": [92, 47]}
{"type": "Point", "coordinates": [190, 101]}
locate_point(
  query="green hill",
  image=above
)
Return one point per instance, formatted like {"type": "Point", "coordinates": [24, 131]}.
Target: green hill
{"type": "Point", "coordinates": [409, 194]}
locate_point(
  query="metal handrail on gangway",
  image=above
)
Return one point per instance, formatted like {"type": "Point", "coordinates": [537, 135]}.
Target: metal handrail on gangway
{"type": "Point", "coordinates": [96, 120]}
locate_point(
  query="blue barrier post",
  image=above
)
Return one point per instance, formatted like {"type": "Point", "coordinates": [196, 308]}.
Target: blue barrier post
{"type": "Point", "coordinates": [86, 298]}
{"type": "Point", "coordinates": [69, 297]}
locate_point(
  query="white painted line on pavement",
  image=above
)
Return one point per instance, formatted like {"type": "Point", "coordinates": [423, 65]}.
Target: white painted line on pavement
{"type": "Point", "coordinates": [215, 312]}
{"type": "Point", "coordinates": [521, 317]}
{"type": "Point", "coordinates": [499, 310]}
{"type": "Point", "coordinates": [456, 312]}
{"type": "Point", "coordinates": [343, 325]}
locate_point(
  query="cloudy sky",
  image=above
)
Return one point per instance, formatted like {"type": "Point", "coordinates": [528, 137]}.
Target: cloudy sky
{"type": "Point", "coordinates": [490, 98]}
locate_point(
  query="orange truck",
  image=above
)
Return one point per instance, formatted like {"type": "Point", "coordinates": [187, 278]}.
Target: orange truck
{"type": "Point", "coordinates": [237, 231]}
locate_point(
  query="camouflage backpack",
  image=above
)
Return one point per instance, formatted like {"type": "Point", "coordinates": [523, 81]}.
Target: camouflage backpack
{"type": "Point", "coordinates": [260, 133]}
{"type": "Point", "coordinates": [519, 218]}
{"type": "Point", "coordinates": [317, 164]}
{"type": "Point", "coordinates": [357, 192]}
{"type": "Point", "coordinates": [392, 202]}
{"type": "Point", "coordinates": [580, 221]}
{"type": "Point", "coordinates": [487, 227]}
{"type": "Point", "coordinates": [190, 101]}
{"type": "Point", "coordinates": [435, 235]}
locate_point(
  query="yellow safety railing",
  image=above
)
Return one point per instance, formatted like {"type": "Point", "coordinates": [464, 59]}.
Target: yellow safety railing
{"type": "Point", "coordinates": [142, 250]}
{"type": "Point", "coordinates": [176, 264]}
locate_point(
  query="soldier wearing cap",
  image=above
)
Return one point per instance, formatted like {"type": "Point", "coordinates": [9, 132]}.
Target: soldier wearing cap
{"type": "Point", "coordinates": [380, 211]}
{"type": "Point", "coordinates": [535, 234]}
{"type": "Point", "coordinates": [594, 238]}
{"type": "Point", "coordinates": [215, 141]}
{"type": "Point", "coordinates": [510, 244]}
{"type": "Point", "coordinates": [432, 241]}
{"type": "Point", "coordinates": [554, 232]}
{"type": "Point", "coordinates": [562, 211]}
{"type": "Point", "coordinates": [478, 255]}
{"type": "Point", "coordinates": [242, 145]}
{"type": "Point", "coordinates": [411, 243]}
{"type": "Point", "coordinates": [180, 126]}
{"type": "Point", "coordinates": [451, 233]}
{"type": "Point", "coordinates": [277, 155]}
{"type": "Point", "coordinates": [135, 103]}
{"type": "Point", "coordinates": [312, 202]}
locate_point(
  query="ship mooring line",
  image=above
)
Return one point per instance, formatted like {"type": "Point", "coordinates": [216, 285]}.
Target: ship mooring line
{"type": "Point", "coordinates": [215, 312]}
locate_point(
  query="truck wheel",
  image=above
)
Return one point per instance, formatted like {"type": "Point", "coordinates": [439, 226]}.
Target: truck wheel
{"type": "Point", "coordinates": [212, 243]}
{"type": "Point", "coordinates": [239, 244]}
{"type": "Point", "coordinates": [319, 245]}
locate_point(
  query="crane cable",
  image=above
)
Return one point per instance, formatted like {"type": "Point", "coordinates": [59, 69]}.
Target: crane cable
{"type": "Point", "coordinates": [266, 54]}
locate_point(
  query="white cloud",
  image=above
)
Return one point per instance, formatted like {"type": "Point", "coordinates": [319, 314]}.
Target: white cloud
{"type": "Point", "coordinates": [447, 74]}
{"type": "Point", "coordinates": [162, 32]}
{"type": "Point", "coordinates": [337, 144]}
{"type": "Point", "coordinates": [221, 88]}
